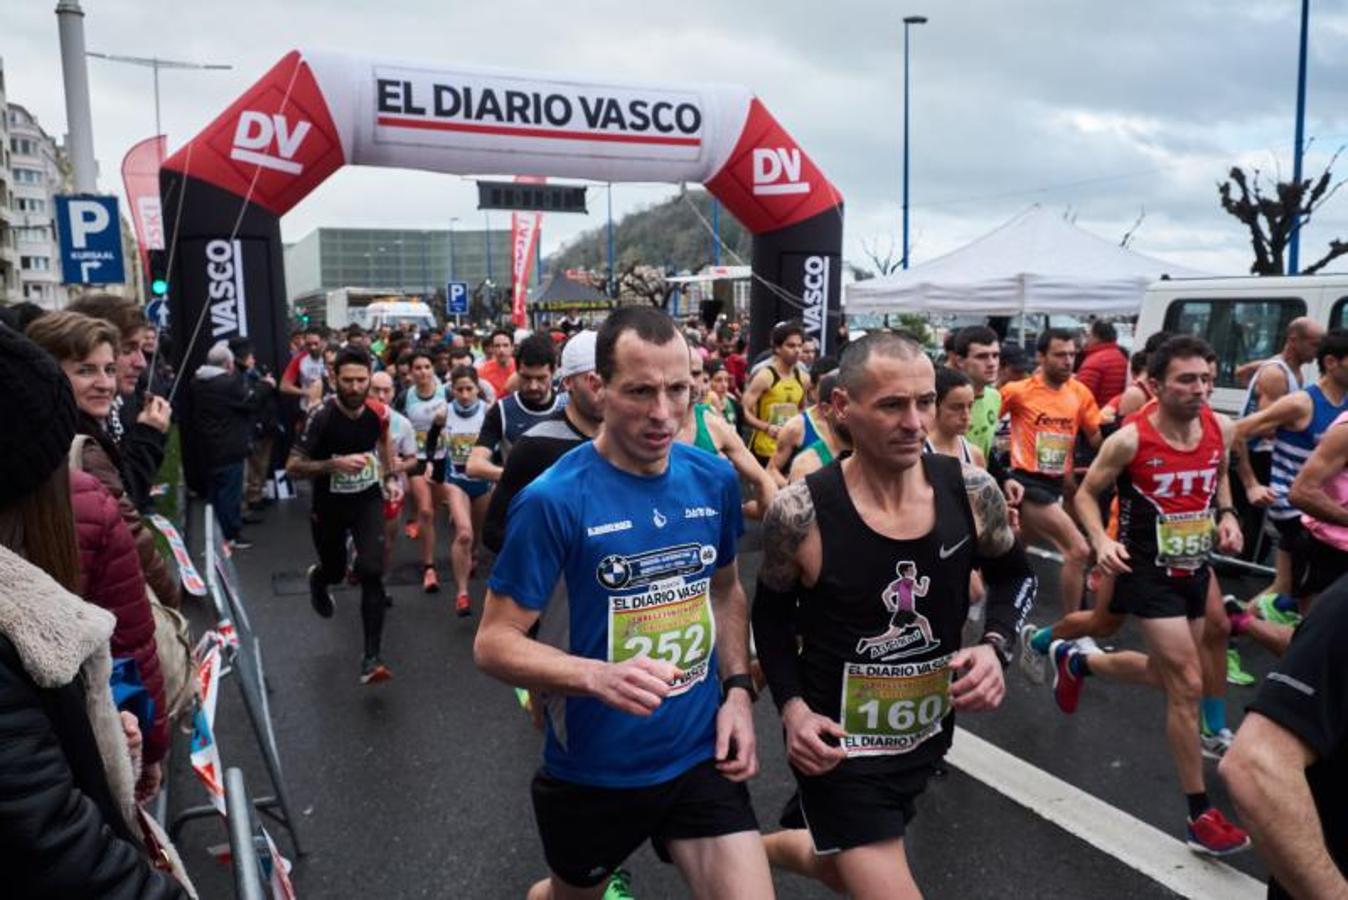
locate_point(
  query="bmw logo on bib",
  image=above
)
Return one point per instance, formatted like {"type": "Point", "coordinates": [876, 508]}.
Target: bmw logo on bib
{"type": "Point", "coordinates": [613, 572]}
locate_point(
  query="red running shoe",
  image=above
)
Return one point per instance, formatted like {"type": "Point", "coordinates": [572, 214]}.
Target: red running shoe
{"type": "Point", "coordinates": [1066, 685]}
{"type": "Point", "coordinates": [1213, 835]}
{"type": "Point", "coordinates": [463, 606]}
{"type": "Point", "coordinates": [430, 582]}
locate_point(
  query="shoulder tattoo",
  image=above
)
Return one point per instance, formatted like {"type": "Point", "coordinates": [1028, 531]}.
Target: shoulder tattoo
{"type": "Point", "coordinates": [995, 536]}
{"type": "Point", "coordinates": [788, 521]}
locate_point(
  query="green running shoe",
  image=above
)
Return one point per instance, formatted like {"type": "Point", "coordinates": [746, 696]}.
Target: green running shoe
{"type": "Point", "coordinates": [619, 886]}
{"type": "Point", "coordinates": [1234, 673]}
{"type": "Point", "coordinates": [1269, 612]}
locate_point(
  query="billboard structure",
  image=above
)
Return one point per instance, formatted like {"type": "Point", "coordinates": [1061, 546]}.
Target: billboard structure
{"type": "Point", "coordinates": [225, 191]}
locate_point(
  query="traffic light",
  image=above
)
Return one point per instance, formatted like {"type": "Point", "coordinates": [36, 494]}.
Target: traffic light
{"type": "Point", "coordinates": [158, 274]}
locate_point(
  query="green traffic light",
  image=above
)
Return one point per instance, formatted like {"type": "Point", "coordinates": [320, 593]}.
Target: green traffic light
{"type": "Point", "coordinates": [159, 287]}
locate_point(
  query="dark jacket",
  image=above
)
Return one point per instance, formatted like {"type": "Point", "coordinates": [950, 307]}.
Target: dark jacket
{"type": "Point", "coordinates": [99, 457]}
{"type": "Point", "coordinates": [1104, 369]}
{"type": "Point", "coordinates": [223, 411]}
{"type": "Point", "coordinates": [65, 774]}
{"type": "Point", "coordinates": [110, 577]}
{"type": "Point", "coordinates": [141, 452]}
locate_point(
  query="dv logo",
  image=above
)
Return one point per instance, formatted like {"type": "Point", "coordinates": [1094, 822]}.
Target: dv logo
{"type": "Point", "coordinates": [777, 171]}
{"type": "Point", "coordinates": [255, 134]}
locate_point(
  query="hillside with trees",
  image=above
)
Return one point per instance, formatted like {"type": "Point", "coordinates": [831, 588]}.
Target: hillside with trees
{"type": "Point", "coordinates": [665, 236]}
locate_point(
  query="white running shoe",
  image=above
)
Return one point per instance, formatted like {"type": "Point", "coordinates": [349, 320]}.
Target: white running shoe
{"type": "Point", "coordinates": [1088, 646]}
{"type": "Point", "coordinates": [1033, 664]}
{"type": "Point", "coordinates": [1216, 744]}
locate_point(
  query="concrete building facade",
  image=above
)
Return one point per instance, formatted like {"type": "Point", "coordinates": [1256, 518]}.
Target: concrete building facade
{"type": "Point", "coordinates": [39, 170]}
{"type": "Point", "coordinates": [406, 261]}
{"type": "Point", "coordinates": [9, 257]}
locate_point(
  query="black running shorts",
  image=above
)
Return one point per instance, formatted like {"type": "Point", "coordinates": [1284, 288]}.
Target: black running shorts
{"type": "Point", "coordinates": [844, 810]}
{"type": "Point", "coordinates": [1290, 533]}
{"type": "Point", "coordinates": [1315, 566]}
{"type": "Point", "coordinates": [588, 831]}
{"type": "Point", "coordinates": [1042, 490]}
{"type": "Point", "coordinates": [1149, 593]}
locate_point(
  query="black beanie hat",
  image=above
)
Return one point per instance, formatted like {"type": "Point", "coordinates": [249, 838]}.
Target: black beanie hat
{"type": "Point", "coordinates": [38, 413]}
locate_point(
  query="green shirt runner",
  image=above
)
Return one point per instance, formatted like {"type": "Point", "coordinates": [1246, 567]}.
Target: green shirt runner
{"type": "Point", "coordinates": [983, 416]}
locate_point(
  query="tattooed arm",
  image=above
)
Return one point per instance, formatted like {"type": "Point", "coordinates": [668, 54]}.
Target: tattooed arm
{"type": "Point", "coordinates": [1010, 581]}
{"type": "Point", "coordinates": [791, 557]}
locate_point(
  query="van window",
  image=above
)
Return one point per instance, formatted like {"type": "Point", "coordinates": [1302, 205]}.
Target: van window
{"type": "Point", "coordinates": [1338, 316]}
{"type": "Point", "coordinates": [1239, 330]}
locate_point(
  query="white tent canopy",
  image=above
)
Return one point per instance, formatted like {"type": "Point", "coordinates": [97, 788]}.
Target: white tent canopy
{"type": "Point", "coordinates": [1035, 263]}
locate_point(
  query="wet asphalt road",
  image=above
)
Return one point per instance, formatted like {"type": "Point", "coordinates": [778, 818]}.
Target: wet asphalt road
{"type": "Point", "coordinates": [419, 787]}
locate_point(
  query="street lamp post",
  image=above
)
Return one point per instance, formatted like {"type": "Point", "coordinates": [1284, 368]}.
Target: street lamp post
{"type": "Point", "coordinates": [155, 63]}
{"type": "Point", "coordinates": [453, 220]}
{"type": "Point", "coordinates": [1294, 244]}
{"type": "Point", "coordinates": [907, 22]}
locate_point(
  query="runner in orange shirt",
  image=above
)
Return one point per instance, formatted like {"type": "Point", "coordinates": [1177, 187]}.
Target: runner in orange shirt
{"type": "Point", "coordinates": [1047, 411]}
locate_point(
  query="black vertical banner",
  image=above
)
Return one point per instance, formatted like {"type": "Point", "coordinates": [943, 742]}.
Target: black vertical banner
{"type": "Point", "coordinates": [226, 281]}
{"type": "Point", "coordinates": [804, 261]}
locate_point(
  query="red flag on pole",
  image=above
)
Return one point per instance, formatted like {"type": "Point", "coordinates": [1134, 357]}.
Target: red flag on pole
{"type": "Point", "coordinates": [140, 176]}
{"type": "Point", "coordinates": [524, 228]}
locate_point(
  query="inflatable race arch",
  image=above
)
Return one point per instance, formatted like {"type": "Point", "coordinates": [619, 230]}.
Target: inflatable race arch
{"type": "Point", "coordinates": [225, 191]}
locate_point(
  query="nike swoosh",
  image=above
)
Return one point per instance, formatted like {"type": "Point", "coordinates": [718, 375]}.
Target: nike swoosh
{"type": "Point", "coordinates": [947, 552]}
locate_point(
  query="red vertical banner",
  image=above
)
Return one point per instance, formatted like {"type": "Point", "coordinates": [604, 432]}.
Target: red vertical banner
{"type": "Point", "coordinates": [524, 228]}
{"type": "Point", "coordinates": [140, 177]}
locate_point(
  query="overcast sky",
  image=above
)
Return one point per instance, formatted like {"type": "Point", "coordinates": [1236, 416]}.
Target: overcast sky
{"type": "Point", "coordinates": [1104, 109]}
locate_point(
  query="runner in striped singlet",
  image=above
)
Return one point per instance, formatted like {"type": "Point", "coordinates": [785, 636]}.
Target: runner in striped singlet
{"type": "Point", "coordinates": [1297, 422]}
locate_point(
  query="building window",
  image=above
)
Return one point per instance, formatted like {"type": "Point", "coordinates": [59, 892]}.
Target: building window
{"type": "Point", "coordinates": [1238, 330]}
{"type": "Point", "coordinates": [37, 234]}
{"type": "Point", "coordinates": [32, 205]}
{"type": "Point", "coordinates": [27, 176]}
{"type": "Point", "coordinates": [23, 146]}
{"type": "Point", "coordinates": [35, 263]}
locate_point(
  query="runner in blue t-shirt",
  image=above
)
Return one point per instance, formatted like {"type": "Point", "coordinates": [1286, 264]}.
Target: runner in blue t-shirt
{"type": "Point", "coordinates": [638, 661]}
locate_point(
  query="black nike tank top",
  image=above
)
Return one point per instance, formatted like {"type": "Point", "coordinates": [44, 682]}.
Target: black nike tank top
{"type": "Point", "coordinates": [882, 617]}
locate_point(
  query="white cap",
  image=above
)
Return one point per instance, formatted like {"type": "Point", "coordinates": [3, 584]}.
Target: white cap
{"type": "Point", "coordinates": [578, 354]}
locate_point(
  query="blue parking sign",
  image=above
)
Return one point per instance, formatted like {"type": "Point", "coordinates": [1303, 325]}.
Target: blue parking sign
{"type": "Point", "coordinates": [90, 232]}
{"type": "Point", "coordinates": [456, 298]}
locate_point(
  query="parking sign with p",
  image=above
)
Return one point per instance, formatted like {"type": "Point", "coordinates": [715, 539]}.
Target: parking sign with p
{"type": "Point", "coordinates": [90, 231]}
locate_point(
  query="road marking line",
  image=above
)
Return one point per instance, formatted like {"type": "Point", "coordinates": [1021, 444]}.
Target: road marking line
{"type": "Point", "coordinates": [1133, 842]}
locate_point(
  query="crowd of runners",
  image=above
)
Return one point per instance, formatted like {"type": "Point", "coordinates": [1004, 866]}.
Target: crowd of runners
{"type": "Point", "coordinates": [612, 476]}
{"type": "Point", "coordinates": [601, 480]}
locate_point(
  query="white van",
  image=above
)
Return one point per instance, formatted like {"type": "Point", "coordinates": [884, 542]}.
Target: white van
{"type": "Point", "coordinates": [1243, 318]}
{"type": "Point", "coordinates": [394, 313]}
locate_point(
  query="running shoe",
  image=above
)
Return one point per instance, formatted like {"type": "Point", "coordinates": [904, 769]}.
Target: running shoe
{"type": "Point", "coordinates": [463, 606]}
{"type": "Point", "coordinates": [430, 582]}
{"type": "Point", "coordinates": [241, 543]}
{"type": "Point", "coordinates": [319, 598]}
{"type": "Point", "coordinates": [412, 530]}
{"type": "Point", "coordinates": [1033, 664]}
{"type": "Point", "coordinates": [1216, 743]}
{"type": "Point", "coordinates": [619, 886]}
{"type": "Point", "coordinates": [1088, 646]}
{"type": "Point", "coordinates": [373, 670]}
{"type": "Point", "coordinates": [1235, 673]}
{"type": "Point", "coordinates": [1066, 686]}
{"type": "Point", "coordinates": [1211, 834]}
{"type": "Point", "coordinates": [1265, 605]}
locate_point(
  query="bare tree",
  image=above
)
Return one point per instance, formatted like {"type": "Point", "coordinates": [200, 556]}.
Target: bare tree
{"type": "Point", "coordinates": [887, 264]}
{"type": "Point", "coordinates": [1270, 219]}
{"type": "Point", "coordinates": [646, 282]}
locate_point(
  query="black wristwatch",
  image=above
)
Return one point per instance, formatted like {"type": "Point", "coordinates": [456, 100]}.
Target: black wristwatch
{"type": "Point", "coordinates": [1223, 510]}
{"type": "Point", "coordinates": [998, 643]}
{"type": "Point", "coordinates": [738, 681]}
